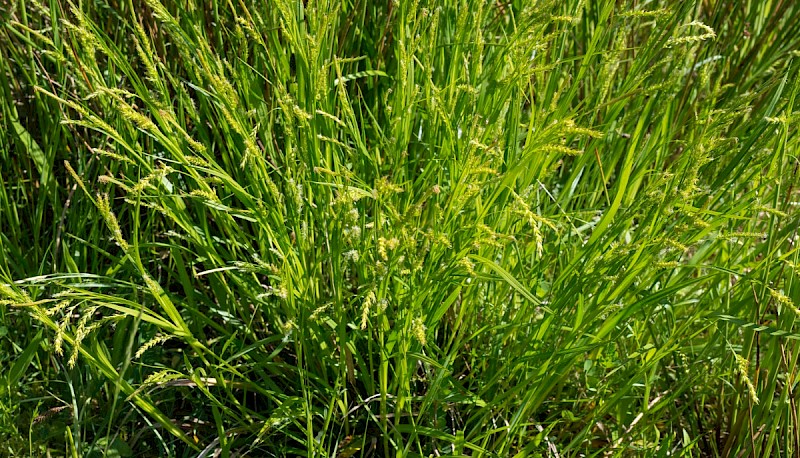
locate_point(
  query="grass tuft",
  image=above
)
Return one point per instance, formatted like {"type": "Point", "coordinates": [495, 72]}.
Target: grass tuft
{"type": "Point", "coordinates": [412, 228]}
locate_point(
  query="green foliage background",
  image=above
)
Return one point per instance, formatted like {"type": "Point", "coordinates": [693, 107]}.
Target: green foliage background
{"type": "Point", "coordinates": [322, 228]}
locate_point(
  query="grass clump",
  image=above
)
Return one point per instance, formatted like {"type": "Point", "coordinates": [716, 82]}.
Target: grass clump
{"type": "Point", "coordinates": [398, 228]}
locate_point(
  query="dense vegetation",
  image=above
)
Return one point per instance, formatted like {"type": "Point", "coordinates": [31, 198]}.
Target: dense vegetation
{"type": "Point", "coordinates": [399, 228]}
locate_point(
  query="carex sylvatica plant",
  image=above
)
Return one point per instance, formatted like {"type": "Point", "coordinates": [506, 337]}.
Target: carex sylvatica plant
{"type": "Point", "coordinates": [399, 228]}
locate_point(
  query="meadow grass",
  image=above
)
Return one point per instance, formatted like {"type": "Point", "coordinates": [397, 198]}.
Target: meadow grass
{"type": "Point", "coordinates": [402, 228]}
